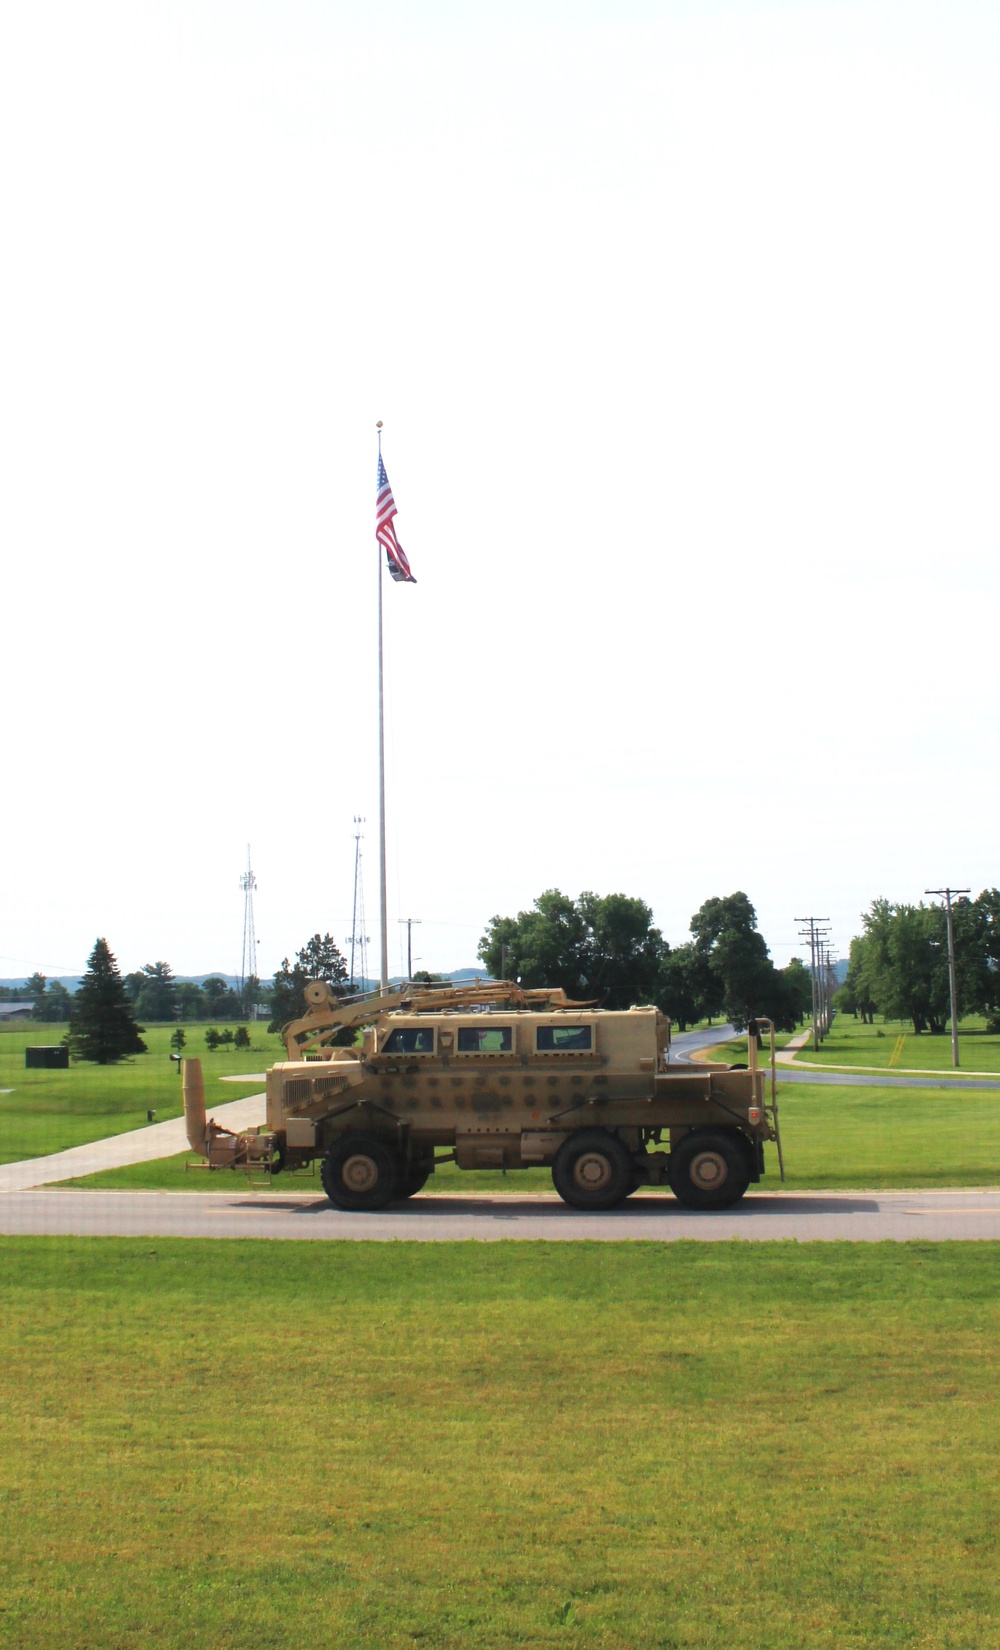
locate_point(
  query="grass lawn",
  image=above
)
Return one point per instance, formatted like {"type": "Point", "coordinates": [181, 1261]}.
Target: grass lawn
{"type": "Point", "coordinates": [51, 1110]}
{"type": "Point", "coordinates": [832, 1138]}
{"type": "Point", "coordinates": [869, 1137]}
{"type": "Point", "coordinates": [849, 1043]}
{"type": "Point", "coordinates": [749, 1447]}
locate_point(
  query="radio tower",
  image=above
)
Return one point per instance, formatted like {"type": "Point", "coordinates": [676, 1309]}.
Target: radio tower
{"type": "Point", "coordinates": [359, 939]}
{"type": "Point", "coordinates": [248, 962]}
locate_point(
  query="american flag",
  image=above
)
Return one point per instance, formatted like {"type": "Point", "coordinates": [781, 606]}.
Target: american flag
{"type": "Point", "coordinates": [385, 532]}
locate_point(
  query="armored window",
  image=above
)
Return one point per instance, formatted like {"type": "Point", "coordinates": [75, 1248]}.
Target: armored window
{"type": "Point", "coordinates": [411, 1040]}
{"type": "Point", "coordinates": [485, 1039]}
{"type": "Point", "coordinates": [564, 1039]}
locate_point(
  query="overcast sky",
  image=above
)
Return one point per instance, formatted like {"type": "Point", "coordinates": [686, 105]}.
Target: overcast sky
{"type": "Point", "coordinates": [682, 321]}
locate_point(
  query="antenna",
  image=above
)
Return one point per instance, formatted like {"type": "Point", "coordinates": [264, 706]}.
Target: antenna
{"type": "Point", "coordinates": [248, 961]}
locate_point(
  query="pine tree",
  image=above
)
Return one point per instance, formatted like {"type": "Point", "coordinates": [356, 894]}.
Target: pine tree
{"type": "Point", "coordinates": [101, 1028]}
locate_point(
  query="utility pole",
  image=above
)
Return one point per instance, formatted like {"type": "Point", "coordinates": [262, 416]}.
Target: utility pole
{"type": "Point", "coordinates": [409, 921]}
{"type": "Point", "coordinates": [948, 894]}
{"type": "Point", "coordinates": [831, 984]}
{"type": "Point", "coordinates": [812, 934]}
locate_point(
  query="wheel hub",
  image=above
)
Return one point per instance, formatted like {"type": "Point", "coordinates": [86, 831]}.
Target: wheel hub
{"type": "Point", "coordinates": [592, 1172]}
{"type": "Point", "coordinates": [709, 1171]}
{"type": "Point", "coordinates": [360, 1173]}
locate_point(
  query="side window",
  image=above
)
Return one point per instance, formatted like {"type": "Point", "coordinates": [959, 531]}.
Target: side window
{"type": "Point", "coordinates": [485, 1039]}
{"type": "Point", "coordinates": [564, 1039]}
{"type": "Point", "coordinates": [411, 1040]}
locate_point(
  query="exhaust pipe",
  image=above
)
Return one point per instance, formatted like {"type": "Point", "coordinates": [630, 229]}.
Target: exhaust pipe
{"type": "Point", "coordinates": [193, 1087]}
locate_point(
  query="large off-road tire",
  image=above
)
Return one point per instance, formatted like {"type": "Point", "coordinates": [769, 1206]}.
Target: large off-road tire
{"type": "Point", "coordinates": [359, 1172]}
{"type": "Point", "coordinates": [593, 1170]}
{"type": "Point", "coordinates": [413, 1177]}
{"type": "Point", "coordinates": [709, 1169]}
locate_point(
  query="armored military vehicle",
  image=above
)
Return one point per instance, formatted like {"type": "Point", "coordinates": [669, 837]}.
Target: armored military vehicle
{"type": "Point", "coordinates": [489, 1075]}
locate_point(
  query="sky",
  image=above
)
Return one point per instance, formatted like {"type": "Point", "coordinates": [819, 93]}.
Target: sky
{"type": "Point", "coordinates": [682, 323]}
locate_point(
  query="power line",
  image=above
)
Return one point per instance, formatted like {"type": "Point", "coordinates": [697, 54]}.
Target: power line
{"type": "Point", "coordinates": [814, 935]}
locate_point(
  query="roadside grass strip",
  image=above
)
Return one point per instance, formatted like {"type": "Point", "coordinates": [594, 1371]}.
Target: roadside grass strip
{"type": "Point", "coordinates": [239, 1444]}
{"type": "Point", "coordinates": [851, 1139]}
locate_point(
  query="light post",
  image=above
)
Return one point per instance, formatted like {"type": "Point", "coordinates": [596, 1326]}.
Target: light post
{"type": "Point", "coordinates": [409, 921]}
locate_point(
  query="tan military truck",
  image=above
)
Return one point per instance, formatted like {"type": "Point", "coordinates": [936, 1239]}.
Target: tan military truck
{"type": "Point", "coordinates": [492, 1076]}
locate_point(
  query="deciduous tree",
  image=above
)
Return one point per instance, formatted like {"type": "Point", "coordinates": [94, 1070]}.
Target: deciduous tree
{"type": "Point", "coordinates": [906, 961]}
{"type": "Point", "coordinates": [727, 939]}
{"type": "Point", "coordinates": [221, 1001]}
{"type": "Point", "coordinates": [686, 988]}
{"type": "Point", "coordinates": [598, 946]}
{"type": "Point", "coordinates": [318, 959]}
{"type": "Point", "coordinates": [191, 1003]}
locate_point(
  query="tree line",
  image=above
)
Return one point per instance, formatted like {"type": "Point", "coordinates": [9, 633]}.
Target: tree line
{"type": "Point", "coordinates": [153, 992]}
{"type": "Point", "coordinates": [103, 1026]}
{"type": "Point", "coordinates": [605, 948]}
{"type": "Point", "coordinates": [899, 963]}
{"type": "Point", "coordinates": [104, 1013]}
{"type": "Point", "coordinates": [601, 948]}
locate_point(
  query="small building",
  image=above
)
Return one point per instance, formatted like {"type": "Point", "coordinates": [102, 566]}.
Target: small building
{"type": "Point", "coordinates": [51, 1057]}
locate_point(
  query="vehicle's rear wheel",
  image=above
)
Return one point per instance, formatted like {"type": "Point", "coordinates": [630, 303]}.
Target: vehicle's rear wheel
{"type": "Point", "coordinates": [359, 1172]}
{"type": "Point", "coordinates": [593, 1170]}
{"type": "Point", "coordinates": [413, 1177]}
{"type": "Point", "coordinates": [709, 1170]}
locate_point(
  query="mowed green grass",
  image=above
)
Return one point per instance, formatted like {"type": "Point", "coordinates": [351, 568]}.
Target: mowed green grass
{"type": "Point", "coordinates": [748, 1447]}
{"type": "Point", "coordinates": [833, 1138]}
{"type": "Point", "coordinates": [836, 1138]}
{"type": "Point", "coordinates": [49, 1111]}
{"type": "Point", "coordinates": [849, 1043]}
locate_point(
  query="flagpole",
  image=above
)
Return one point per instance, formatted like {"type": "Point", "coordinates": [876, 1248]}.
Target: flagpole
{"type": "Point", "coordinates": [383, 905]}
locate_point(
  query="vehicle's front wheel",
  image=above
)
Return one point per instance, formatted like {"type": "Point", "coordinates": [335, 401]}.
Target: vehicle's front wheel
{"type": "Point", "coordinates": [593, 1170]}
{"type": "Point", "coordinates": [413, 1177]}
{"type": "Point", "coordinates": [359, 1172]}
{"type": "Point", "coordinates": [708, 1170]}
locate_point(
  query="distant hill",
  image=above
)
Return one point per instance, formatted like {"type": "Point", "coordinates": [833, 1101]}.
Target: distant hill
{"type": "Point", "coordinates": [457, 976]}
{"type": "Point", "coordinates": [72, 981]}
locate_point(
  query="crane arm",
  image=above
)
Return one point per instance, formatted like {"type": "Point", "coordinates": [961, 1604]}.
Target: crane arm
{"type": "Point", "coordinates": [326, 1014]}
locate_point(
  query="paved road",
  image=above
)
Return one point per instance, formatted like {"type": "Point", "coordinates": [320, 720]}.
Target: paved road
{"type": "Point", "coordinates": [861, 1217]}
{"type": "Point", "coordinates": [881, 1079]}
{"type": "Point", "coordinates": [684, 1043]}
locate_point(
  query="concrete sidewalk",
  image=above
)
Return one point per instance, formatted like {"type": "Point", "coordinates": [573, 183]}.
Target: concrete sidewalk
{"type": "Point", "coordinates": [137, 1146]}
{"type": "Point", "coordinates": [786, 1056]}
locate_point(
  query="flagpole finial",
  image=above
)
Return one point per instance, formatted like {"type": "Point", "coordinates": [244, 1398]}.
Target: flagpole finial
{"type": "Point", "coordinates": [378, 426]}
